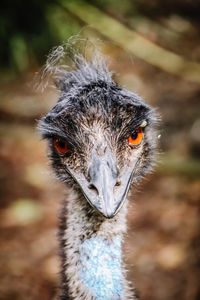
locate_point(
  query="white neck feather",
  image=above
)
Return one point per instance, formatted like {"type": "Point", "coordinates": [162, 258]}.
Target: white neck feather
{"type": "Point", "coordinates": [94, 267]}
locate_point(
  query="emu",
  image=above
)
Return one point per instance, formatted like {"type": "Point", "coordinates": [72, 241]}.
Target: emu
{"type": "Point", "coordinates": [102, 141]}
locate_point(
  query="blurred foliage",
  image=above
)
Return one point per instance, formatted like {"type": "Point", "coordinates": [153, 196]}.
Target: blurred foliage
{"type": "Point", "coordinates": [23, 212]}
{"type": "Point", "coordinates": [187, 8]}
{"type": "Point", "coordinates": [28, 29]}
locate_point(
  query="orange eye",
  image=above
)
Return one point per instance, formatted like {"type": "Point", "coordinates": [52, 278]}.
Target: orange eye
{"type": "Point", "coordinates": [136, 137]}
{"type": "Point", "coordinates": [60, 146]}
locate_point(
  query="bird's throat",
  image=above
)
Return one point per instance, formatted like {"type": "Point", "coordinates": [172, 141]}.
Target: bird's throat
{"type": "Point", "coordinates": [101, 267]}
{"type": "Point", "coordinates": [92, 265]}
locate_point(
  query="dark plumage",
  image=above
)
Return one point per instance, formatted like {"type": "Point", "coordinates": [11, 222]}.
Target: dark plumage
{"type": "Point", "coordinates": [89, 132]}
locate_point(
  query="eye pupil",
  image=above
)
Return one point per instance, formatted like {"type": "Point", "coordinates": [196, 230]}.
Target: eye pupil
{"type": "Point", "coordinates": [134, 135]}
{"type": "Point", "coordinates": [60, 146]}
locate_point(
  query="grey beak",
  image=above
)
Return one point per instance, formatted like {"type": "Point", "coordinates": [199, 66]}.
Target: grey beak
{"type": "Point", "coordinates": [104, 189]}
{"type": "Point", "coordinates": [103, 176]}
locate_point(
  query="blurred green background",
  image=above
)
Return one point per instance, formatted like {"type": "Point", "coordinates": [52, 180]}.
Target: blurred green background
{"type": "Point", "coordinates": [153, 47]}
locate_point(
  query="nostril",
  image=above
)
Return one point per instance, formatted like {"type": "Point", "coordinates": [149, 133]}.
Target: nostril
{"type": "Point", "coordinates": [93, 187]}
{"type": "Point", "coordinates": [118, 182]}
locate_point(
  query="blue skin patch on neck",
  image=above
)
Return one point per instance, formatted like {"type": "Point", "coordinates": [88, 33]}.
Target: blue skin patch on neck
{"type": "Point", "coordinates": [101, 270]}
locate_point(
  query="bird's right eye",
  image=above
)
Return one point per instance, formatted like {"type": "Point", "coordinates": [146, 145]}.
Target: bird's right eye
{"type": "Point", "coordinates": [60, 146]}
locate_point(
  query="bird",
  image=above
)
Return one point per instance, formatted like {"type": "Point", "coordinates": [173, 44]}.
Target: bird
{"type": "Point", "coordinates": [102, 140]}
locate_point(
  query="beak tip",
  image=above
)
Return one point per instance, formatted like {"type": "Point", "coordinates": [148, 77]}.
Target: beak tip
{"type": "Point", "coordinates": [108, 214]}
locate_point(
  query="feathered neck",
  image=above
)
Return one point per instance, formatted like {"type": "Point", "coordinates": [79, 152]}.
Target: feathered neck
{"type": "Point", "coordinates": [92, 266]}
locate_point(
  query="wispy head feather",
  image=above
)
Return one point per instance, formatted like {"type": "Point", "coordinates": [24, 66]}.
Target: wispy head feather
{"type": "Point", "coordinates": [74, 64]}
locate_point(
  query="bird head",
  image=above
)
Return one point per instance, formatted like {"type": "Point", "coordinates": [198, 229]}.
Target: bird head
{"type": "Point", "coordinates": [101, 137]}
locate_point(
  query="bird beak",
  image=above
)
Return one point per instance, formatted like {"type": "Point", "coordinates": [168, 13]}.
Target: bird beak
{"type": "Point", "coordinates": [105, 190]}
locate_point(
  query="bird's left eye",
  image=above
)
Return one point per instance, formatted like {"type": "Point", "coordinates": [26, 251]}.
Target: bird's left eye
{"type": "Point", "coordinates": [60, 146]}
{"type": "Point", "coordinates": [136, 137]}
